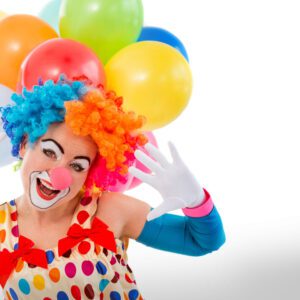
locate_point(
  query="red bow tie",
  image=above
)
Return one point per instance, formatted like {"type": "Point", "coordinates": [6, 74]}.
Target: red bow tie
{"type": "Point", "coordinates": [98, 234]}
{"type": "Point", "coordinates": [9, 260]}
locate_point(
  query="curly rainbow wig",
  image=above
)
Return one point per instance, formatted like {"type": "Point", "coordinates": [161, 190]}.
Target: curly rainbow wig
{"type": "Point", "coordinates": [87, 110]}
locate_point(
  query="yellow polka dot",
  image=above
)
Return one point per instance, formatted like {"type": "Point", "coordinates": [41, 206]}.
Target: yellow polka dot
{"type": "Point", "coordinates": [2, 216]}
{"type": "Point", "coordinates": [39, 282]}
{"type": "Point", "coordinates": [54, 275]}
{"type": "Point", "coordinates": [2, 235]}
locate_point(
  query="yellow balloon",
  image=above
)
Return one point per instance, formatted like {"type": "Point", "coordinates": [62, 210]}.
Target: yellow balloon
{"type": "Point", "coordinates": [154, 80]}
{"type": "Point", "coordinates": [2, 14]}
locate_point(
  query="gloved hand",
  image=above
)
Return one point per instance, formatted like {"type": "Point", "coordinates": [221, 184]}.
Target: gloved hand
{"type": "Point", "coordinates": [174, 181]}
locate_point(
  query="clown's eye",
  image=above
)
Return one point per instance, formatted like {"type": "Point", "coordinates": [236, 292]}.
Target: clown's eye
{"type": "Point", "coordinates": [77, 167]}
{"type": "Point", "coordinates": [49, 153]}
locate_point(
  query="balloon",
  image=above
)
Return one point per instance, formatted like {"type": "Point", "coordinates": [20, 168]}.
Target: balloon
{"type": "Point", "coordinates": [19, 34]}
{"type": "Point", "coordinates": [50, 13]}
{"type": "Point", "coordinates": [164, 36]}
{"type": "Point", "coordinates": [57, 56]}
{"type": "Point", "coordinates": [151, 139]}
{"type": "Point", "coordinates": [154, 80]}
{"type": "Point", "coordinates": [105, 26]}
{"type": "Point", "coordinates": [5, 145]}
{"type": "Point", "coordinates": [2, 14]}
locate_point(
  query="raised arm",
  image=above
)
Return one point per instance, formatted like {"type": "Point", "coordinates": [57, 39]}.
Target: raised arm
{"type": "Point", "coordinates": [188, 235]}
{"type": "Point", "coordinates": [197, 233]}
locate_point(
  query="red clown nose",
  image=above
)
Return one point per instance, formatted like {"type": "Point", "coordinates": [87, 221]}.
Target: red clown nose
{"type": "Point", "coordinates": [60, 178]}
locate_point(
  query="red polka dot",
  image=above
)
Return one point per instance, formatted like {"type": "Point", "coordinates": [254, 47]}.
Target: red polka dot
{"type": "Point", "coordinates": [13, 216]}
{"type": "Point", "coordinates": [84, 247]}
{"type": "Point", "coordinates": [86, 201]}
{"type": "Point", "coordinates": [82, 216]}
{"type": "Point", "coordinates": [89, 292]}
{"type": "Point", "coordinates": [15, 231]}
{"type": "Point", "coordinates": [47, 298]}
{"type": "Point", "coordinates": [128, 279]}
{"type": "Point", "coordinates": [113, 260]}
{"type": "Point", "coordinates": [75, 290]}
{"type": "Point", "coordinates": [87, 267]}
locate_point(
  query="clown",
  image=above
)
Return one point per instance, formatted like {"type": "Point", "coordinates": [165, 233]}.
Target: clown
{"type": "Point", "coordinates": [66, 236]}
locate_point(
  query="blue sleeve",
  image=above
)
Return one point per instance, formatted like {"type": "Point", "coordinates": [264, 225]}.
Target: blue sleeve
{"type": "Point", "coordinates": [184, 235]}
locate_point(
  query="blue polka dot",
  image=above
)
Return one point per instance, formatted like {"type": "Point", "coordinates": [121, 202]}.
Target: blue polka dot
{"type": "Point", "coordinates": [103, 284]}
{"type": "Point", "coordinates": [62, 296]}
{"type": "Point", "coordinates": [16, 246]}
{"type": "Point", "coordinates": [50, 256]}
{"type": "Point", "coordinates": [115, 296]}
{"type": "Point", "coordinates": [133, 294]}
{"type": "Point", "coordinates": [101, 268]}
{"type": "Point", "coordinates": [24, 286]}
{"type": "Point", "coordinates": [13, 294]}
{"type": "Point", "coordinates": [12, 202]}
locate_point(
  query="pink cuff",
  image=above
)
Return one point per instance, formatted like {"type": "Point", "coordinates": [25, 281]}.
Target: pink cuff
{"type": "Point", "coordinates": [201, 210]}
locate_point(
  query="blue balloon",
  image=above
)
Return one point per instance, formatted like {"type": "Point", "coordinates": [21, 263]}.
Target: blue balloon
{"type": "Point", "coordinates": [50, 13]}
{"type": "Point", "coordinates": [164, 36]}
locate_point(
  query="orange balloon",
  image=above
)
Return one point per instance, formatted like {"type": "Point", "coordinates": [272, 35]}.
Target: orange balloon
{"type": "Point", "coordinates": [19, 34]}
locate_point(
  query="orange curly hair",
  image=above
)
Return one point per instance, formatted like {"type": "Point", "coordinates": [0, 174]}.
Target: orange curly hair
{"type": "Point", "coordinates": [116, 133]}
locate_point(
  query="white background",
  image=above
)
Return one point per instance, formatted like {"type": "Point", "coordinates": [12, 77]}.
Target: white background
{"type": "Point", "coordinates": [240, 137]}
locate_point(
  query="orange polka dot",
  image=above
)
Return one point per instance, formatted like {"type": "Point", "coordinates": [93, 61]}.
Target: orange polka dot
{"type": "Point", "coordinates": [54, 275]}
{"type": "Point", "coordinates": [97, 249]}
{"type": "Point", "coordinates": [82, 216]}
{"type": "Point", "coordinates": [8, 295]}
{"type": "Point", "coordinates": [125, 296]}
{"type": "Point", "coordinates": [2, 235]}
{"type": "Point", "coordinates": [19, 265]}
{"type": "Point", "coordinates": [2, 216]}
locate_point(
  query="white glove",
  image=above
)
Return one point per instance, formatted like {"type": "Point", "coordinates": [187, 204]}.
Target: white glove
{"type": "Point", "coordinates": [174, 181]}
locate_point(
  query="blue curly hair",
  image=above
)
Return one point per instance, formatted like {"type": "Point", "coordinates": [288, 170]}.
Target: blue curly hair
{"type": "Point", "coordinates": [36, 110]}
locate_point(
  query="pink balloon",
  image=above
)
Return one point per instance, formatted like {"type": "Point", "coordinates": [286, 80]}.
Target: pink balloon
{"type": "Point", "coordinates": [151, 139]}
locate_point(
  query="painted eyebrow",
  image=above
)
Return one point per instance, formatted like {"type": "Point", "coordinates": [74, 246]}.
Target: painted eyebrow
{"type": "Point", "coordinates": [56, 143]}
{"type": "Point", "coordinates": [83, 157]}
{"type": "Point", "coordinates": [63, 152]}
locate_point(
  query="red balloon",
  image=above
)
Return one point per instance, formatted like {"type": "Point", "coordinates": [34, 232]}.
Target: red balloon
{"type": "Point", "coordinates": [60, 56]}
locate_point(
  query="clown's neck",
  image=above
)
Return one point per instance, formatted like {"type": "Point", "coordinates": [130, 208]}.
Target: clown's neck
{"type": "Point", "coordinates": [45, 217]}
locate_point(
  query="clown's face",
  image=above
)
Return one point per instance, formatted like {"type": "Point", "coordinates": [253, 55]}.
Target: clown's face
{"type": "Point", "coordinates": [55, 168]}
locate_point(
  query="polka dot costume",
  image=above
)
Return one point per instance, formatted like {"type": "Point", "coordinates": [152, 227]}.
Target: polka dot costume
{"type": "Point", "coordinates": [87, 271]}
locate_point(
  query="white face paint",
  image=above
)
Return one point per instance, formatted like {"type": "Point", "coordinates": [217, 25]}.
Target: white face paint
{"type": "Point", "coordinates": [55, 152]}
{"type": "Point", "coordinates": [42, 194]}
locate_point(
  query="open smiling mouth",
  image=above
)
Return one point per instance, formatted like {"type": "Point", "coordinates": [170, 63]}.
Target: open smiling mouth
{"type": "Point", "coordinates": [44, 192]}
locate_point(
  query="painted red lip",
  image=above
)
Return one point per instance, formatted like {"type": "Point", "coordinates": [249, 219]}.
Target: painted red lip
{"type": "Point", "coordinates": [42, 195]}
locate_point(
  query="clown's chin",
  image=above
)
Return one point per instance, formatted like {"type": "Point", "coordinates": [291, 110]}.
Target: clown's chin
{"type": "Point", "coordinates": [40, 195]}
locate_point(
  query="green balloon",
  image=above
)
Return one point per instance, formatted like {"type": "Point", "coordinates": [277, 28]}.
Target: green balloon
{"type": "Point", "coordinates": [106, 26]}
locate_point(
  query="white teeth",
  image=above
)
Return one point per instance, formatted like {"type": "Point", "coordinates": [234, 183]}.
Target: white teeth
{"type": "Point", "coordinates": [46, 185]}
